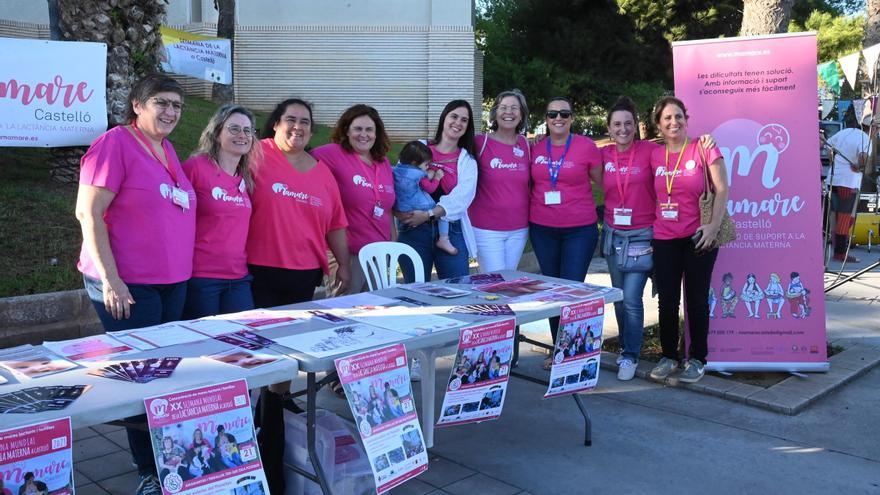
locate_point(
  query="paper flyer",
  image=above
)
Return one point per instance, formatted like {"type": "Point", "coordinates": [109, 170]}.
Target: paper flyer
{"type": "Point", "coordinates": [404, 319]}
{"type": "Point", "coordinates": [378, 390]}
{"type": "Point", "coordinates": [164, 335]}
{"type": "Point", "coordinates": [258, 319]}
{"type": "Point", "coordinates": [204, 441]}
{"type": "Point", "coordinates": [578, 348]}
{"type": "Point", "coordinates": [519, 288]}
{"type": "Point", "coordinates": [30, 362]}
{"type": "Point", "coordinates": [101, 347]}
{"type": "Point", "coordinates": [478, 382]}
{"type": "Point", "coordinates": [37, 459]}
{"type": "Point", "coordinates": [476, 279]}
{"type": "Point", "coordinates": [435, 290]}
{"type": "Point", "coordinates": [340, 340]}
{"type": "Point", "coordinates": [355, 300]}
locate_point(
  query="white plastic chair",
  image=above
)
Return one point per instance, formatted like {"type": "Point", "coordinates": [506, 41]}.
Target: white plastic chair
{"type": "Point", "coordinates": [380, 260]}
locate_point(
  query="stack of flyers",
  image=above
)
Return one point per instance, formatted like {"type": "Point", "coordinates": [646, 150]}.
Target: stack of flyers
{"type": "Point", "coordinates": [34, 361]}
{"type": "Point", "coordinates": [246, 340]}
{"type": "Point", "coordinates": [99, 347]}
{"type": "Point", "coordinates": [263, 318]}
{"type": "Point", "coordinates": [39, 399]}
{"type": "Point", "coordinates": [520, 288]}
{"type": "Point", "coordinates": [435, 290]}
{"type": "Point", "coordinates": [476, 279]}
{"type": "Point", "coordinates": [482, 310]}
{"type": "Point", "coordinates": [244, 358]}
{"type": "Point", "coordinates": [412, 301]}
{"type": "Point", "coordinates": [140, 371]}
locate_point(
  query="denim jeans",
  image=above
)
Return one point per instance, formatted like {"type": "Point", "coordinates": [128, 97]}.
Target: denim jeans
{"type": "Point", "coordinates": [217, 296]}
{"type": "Point", "coordinates": [564, 252]}
{"type": "Point", "coordinates": [423, 239]}
{"type": "Point", "coordinates": [630, 312]}
{"type": "Point", "coordinates": [154, 304]}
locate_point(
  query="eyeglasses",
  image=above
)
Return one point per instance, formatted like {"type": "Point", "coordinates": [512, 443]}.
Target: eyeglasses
{"type": "Point", "coordinates": [505, 108]}
{"type": "Point", "coordinates": [235, 130]}
{"type": "Point", "coordinates": [163, 104]}
{"type": "Point", "coordinates": [552, 114]}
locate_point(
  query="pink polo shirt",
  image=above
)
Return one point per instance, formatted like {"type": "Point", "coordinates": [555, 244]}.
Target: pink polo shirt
{"type": "Point", "coordinates": [578, 207]}
{"type": "Point", "coordinates": [628, 183]}
{"type": "Point", "coordinates": [362, 187]}
{"type": "Point", "coordinates": [222, 220]}
{"type": "Point", "coordinates": [151, 238]}
{"type": "Point", "coordinates": [687, 186]}
{"type": "Point", "coordinates": [502, 198]}
{"type": "Point", "coordinates": [293, 211]}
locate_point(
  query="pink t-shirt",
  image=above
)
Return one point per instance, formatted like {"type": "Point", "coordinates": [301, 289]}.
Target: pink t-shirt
{"type": "Point", "coordinates": [629, 173]}
{"type": "Point", "coordinates": [362, 186]}
{"type": "Point", "coordinates": [448, 162]}
{"type": "Point", "coordinates": [687, 187]}
{"type": "Point", "coordinates": [577, 207]}
{"type": "Point", "coordinates": [293, 212]}
{"type": "Point", "coordinates": [502, 199]}
{"type": "Point", "coordinates": [151, 238]}
{"type": "Point", "coordinates": [222, 220]}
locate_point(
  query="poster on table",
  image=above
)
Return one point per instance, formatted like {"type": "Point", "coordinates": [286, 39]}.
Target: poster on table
{"type": "Point", "coordinates": [378, 390]}
{"type": "Point", "coordinates": [37, 459]}
{"type": "Point", "coordinates": [204, 441]}
{"type": "Point", "coordinates": [197, 56]}
{"type": "Point", "coordinates": [52, 93]}
{"type": "Point", "coordinates": [757, 97]}
{"type": "Point", "coordinates": [577, 348]}
{"type": "Point", "coordinates": [477, 384]}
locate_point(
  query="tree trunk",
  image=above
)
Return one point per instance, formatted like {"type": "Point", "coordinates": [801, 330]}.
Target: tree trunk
{"type": "Point", "coordinates": [765, 17]}
{"type": "Point", "coordinates": [225, 93]}
{"type": "Point", "coordinates": [872, 23]}
{"type": "Point", "coordinates": [130, 28]}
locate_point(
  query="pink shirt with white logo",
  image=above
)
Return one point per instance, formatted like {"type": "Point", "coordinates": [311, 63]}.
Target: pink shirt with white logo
{"type": "Point", "coordinates": [222, 220]}
{"type": "Point", "coordinates": [502, 199]}
{"type": "Point", "coordinates": [687, 186]}
{"type": "Point", "coordinates": [293, 211]}
{"type": "Point", "coordinates": [151, 238]}
{"type": "Point", "coordinates": [628, 183]}
{"type": "Point", "coordinates": [362, 186]}
{"type": "Point", "coordinates": [578, 207]}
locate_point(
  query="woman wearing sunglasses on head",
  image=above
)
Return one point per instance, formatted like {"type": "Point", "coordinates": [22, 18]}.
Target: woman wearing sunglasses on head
{"type": "Point", "coordinates": [682, 246]}
{"type": "Point", "coordinates": [219, 172]}
{"type": "Point", "coordinates": [562, 213]}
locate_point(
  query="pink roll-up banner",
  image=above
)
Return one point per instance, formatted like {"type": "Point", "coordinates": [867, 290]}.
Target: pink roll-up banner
{"type": "Point", "coordinates": [757, 97]}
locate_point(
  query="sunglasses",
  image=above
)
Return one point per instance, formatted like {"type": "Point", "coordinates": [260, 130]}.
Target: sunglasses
{"type": "Point", "coordinates": [552, 114]}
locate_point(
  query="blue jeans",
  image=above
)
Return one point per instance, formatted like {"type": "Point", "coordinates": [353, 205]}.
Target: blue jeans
{"type": "Point", "coordinates": [216, 296]}
{"type": "Point", "coordinates": [564, 252]}
{"type": "Point", "coordinates": [630, 312]}
{"type": "Point", "coordinates": [423, 239]}
{"type": "Point", "coordinates": [154, 304]}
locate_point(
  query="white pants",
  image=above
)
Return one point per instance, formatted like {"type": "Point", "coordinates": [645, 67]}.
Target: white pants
{"type": "Point", "coordinates": [500, 249]}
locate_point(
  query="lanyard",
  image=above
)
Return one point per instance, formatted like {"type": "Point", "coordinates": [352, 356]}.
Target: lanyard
{"type": "Point", "coordinates": [669, 180]}
{"type": "Point", "coordinates": [554, 167]}
{"type": "Point", "coordinates": [375, 179]}
{"type": "Point", "coordinates": [143, 139]}
{"type": "Point", "coordinates": [622, 190]}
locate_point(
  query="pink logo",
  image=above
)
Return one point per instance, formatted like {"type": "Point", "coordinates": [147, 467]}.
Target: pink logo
{"type": "Point", "coordinates": [48, 92]}
{"type": "Point", "coordinates": [159, 408]}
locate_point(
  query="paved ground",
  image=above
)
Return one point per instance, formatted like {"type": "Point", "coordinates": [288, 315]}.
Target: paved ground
{"type": "Point", "coordinates": [647, 438]}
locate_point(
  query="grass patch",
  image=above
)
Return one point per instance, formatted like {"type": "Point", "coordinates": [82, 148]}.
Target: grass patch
{"type": "Point", "coordinates": [652, 351]}
{"type": "Point", "coordinates": [41, 238]}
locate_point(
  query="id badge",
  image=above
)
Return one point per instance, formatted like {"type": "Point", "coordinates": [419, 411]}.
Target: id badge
{"type": "Point", "coordinates": [669, 211]}
{"type": "Point", "coordinates": [180, 197]}
{"type": "Point", "coordinates": [623, 216]}
{"type": "Point", "coordinates": [553, 198]}
{"type": "Point", "coordinates": [378, 211]}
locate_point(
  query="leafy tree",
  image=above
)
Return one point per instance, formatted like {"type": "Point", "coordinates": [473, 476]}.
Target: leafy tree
{"type": "Point", "coordinates": [837, 35]}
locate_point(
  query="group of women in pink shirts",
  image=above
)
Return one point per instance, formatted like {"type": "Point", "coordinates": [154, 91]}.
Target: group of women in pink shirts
{"type": "Point", "coordinates": [248, 222]}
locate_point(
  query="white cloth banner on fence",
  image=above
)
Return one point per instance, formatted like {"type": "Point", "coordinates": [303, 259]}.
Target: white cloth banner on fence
{"type": "Point", "coordinates": [197, 56]}
{"type": "Point", "coordinates": [52, 93]}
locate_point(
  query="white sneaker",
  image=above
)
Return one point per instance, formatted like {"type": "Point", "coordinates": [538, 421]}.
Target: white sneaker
{"type": "Point", "coordinates": [626, 370]}
{"type": "Point", "coordinates": [415, 370]}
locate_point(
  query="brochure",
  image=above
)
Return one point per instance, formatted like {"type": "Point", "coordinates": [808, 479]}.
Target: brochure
{"type": "Point", "coordinates": [164, 335]}
{"type": "Point", "coordinates": [340, 340]}
{"type": "Point", "coordinates": [478, 382]}
{"type": "Point", "coordinates": [520, 288]}
{"type": "Point", "coordinates": [435, 290]}
{"type": "Point", "coordinates": [476, 279]}
{"type": "Point", "coordinates": [578, 348]}
{"type": "Point", "coordinates": [246, 359]}
{"type": "Point", "coordinates": [404, 319]}
{"type": "Point", "coordinates": [37, 459]}
{"type": "Point", "coordinates": [39, 399]}
{"type": "Point", "coordinates": [139, 371]}
{"type": "Point", "coordinates": [101, 347]}
{"type": "Point", "coordinates": [29, 361]}
{"type": "Point", "coordinates": [378, 391]}
{"type": "Point", "coordinates": [204, 441]}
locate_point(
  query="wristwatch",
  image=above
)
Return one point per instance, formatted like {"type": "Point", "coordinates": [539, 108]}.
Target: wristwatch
{"type": "Point", "coordinates": [431, 216]}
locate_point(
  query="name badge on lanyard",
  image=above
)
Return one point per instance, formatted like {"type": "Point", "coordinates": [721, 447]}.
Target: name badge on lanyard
{"type": "Point", "coordinates": [623, 216]}
{"type": "Point", "coordinates": [180, 197]}
{"type": "Point", "coordinates": [554, 197]}
{"type": "Point", "coordinates": [669, 211]}
{"type": "Point", "coordinates": [378, 211]}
